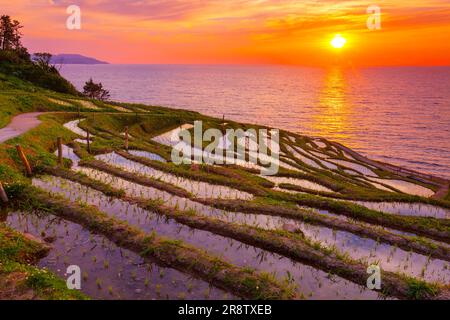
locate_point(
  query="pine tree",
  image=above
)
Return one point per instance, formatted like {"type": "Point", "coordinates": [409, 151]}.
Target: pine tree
{"type": "Point", "coordinates": [95, 90]}
{"type": "Point", "coordinates": [10, 34]}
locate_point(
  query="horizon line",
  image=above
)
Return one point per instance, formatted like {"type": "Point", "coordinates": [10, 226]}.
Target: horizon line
{"type": "Point", "coordinates": [264, 64]}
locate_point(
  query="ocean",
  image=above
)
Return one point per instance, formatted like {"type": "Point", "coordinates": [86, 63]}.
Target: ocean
{"type": "Point", "coordinates": [399, 115]}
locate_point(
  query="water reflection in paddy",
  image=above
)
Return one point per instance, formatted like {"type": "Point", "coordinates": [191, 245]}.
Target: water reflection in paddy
{"type": "Point", "coordinates": [311, 282]}
{"type": "Point", "coordinates": [197, 188]}
{"type": "Point", "coordinates": [406, 187]}
{"type": "Point", "coordinates": [298, 182]}
{"type": "Point", "coordinates": [74, 127]}
{"type": "Point", "coordinates": [358, 248]}
{"type": "Point", "coordinates": [408, 209]}
{"type": "Point", "coordinates": [148, 155]}
{"type": "Point", "coordinates": [108, 271]}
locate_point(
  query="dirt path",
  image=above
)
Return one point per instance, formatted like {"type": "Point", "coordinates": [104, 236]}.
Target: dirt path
{"type": "Point", "coordinates": [19, 125]}
{"type": "Point", "coordinates": [27, 121]}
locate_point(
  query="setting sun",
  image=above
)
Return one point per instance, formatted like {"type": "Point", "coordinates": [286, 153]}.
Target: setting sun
{"type": "Point", "coordinates": [338, 41]}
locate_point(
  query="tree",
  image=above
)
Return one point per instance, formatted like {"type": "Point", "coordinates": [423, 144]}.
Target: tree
{"type": "Point", "coordinates": [10, 34]}
{"type": "Point", "coordinates": [42, 60]}
{"type": "Point", "coordinates": [95, 90]}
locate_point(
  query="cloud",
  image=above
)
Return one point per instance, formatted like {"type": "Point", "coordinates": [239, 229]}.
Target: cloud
{"type": "Point", "coordinates": [218, 27]}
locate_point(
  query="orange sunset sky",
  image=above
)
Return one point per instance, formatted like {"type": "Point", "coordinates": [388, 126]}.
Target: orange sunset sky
{"type": "Point", "coordinates": [413, 32]}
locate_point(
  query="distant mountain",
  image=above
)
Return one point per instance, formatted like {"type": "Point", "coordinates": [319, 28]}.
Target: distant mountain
{"type": "Point", "coordinates": [74, 59]}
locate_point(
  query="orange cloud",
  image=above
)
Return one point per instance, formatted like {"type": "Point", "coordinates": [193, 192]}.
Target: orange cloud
{"type": "Point", "coordinates": [239, 31]}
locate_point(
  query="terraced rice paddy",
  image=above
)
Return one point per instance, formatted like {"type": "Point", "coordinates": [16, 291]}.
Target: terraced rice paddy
{"type": "Point", "coordinates": [303, 158]}
{"type": "Point", "coordinates": [408, 209]}
{"type": "Point", "coordinates": [148, 155]}
{"type": "Point", "coordinates": [171, 138]}
{"type": "Point", "coordinates": [118, 108]}
{"type": "Point", "coordinates": [406, 187]}
{"type": "Point", "coordinates": [370, 251]}
{"type": "Point", "coordinates": [59, 102]}
{"type": "Point", "coordinates": [108, 271]}
{"type": "Point", "coordinates": [87, 104]}
{"type": "Point", "coordinates": [299, 182]}
{"type": "Point", "coordinates": [239, 219]}
{"type": "Point", "coordinates": [235, 251]}
{"type": "Point", "coordinates": [359, 169]}
{"type": "Point", "coordinates": [198, 188]}
{"type": "Point", "coordinates": [73, 126]}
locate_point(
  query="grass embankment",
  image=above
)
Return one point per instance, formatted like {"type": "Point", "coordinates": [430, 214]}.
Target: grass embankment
{"type": "Point", "coordinates": [416, 244]}
{"type": "Point", "coordinates": [245, 283]}
{"type": "Point", "coordinates": [234, 176]}
{"type": "Point", "coordinates": [36, 143]}
{"type": "Point", "coordinates": [17, 96]}
{"type": "Point", "coordinates": [434, 228]}
{"type": "Point", "coordinates": [19, 279]}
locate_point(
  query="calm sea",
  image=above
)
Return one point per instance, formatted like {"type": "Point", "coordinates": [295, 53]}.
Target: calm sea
{"type": "Point", "coordinates": [398, 115]}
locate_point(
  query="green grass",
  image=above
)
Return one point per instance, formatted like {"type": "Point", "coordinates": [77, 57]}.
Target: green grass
{"type": "Point", "coordinates": [419, 289]}
{"type": "Point", "coordinates": [38, 144]}
{"type": "Point", "coordinates": [25, 69]}
{"type": "Point", "coordinates": [16, 254]}
{"type": "Point", "coordinates": [18, 96]}
{"type": "Point", "coordinates": [43, 283]}
{"type": "Point", "coordinates": [14, 247]}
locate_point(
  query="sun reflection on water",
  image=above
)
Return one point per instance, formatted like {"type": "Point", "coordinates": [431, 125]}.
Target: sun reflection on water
{"type": "Point", "coordinates": [331, 115]}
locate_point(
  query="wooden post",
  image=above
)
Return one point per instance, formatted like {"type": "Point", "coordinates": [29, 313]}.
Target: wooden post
{"type": "Point", "coordinates": [3, 195]}
{"type": "Point", "coordinates": [269, 141]}
{"type": "Point", "coordinates": [24, 160]}
{"type": "Point", "coordinates": [247, 149]}
{"type": "Point", "coordinates": [79, 115]}
{"type": "Point", "coordinates": [223, 133]}
{"type": "Point", "coordinates": [60, 151]}
{"type": "Point", "coordinates": [126, 138]}
{"type": "Point", "coordinates": [88, 141]}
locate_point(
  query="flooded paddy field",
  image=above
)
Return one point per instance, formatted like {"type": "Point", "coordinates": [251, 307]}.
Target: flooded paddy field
{"type": "Point", "coordinates": [197, 188]}
{"type": "Point", "coordinates": [408, 209]}
{"type": "Point", "coordinates": [309, 281]}
{"type": "Point", "coordinates": [99, 177]}
{"type": "Point", "coordinates": [370, 251]}
{"type": "Point", "coordinates": [108, 271]}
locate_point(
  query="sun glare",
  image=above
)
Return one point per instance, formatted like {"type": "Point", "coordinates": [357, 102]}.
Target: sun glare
{"type": "Point", "coordinates": [338, 41]}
